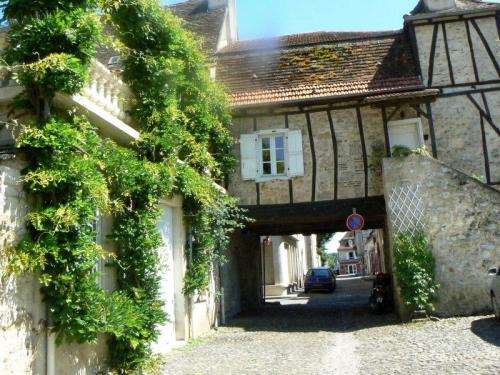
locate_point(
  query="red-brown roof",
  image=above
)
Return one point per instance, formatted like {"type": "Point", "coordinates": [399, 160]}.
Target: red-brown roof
{"type": "Point", "coordinates": [205, 23]}
{"type": "Point", "coordinates": [317, 66]}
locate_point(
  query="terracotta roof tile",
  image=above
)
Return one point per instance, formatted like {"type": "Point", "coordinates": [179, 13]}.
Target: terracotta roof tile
{"type": "Point", "coordinates": [296, 40]}
{"type": "Point", "coordinates": [342, 66]}
{"type": "Point", "coordinates": [198, 19]}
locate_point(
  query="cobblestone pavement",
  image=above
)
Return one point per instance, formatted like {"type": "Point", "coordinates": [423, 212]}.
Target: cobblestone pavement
{"type": "Point", "coordinates": [324, 333]}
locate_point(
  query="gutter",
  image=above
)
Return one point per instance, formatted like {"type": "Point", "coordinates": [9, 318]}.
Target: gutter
{"type": "Point", "coordinates": [326, 99]}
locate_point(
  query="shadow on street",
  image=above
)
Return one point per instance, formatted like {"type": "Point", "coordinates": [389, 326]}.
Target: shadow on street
{"type": "Point", "coordinates": [487, 329]}
{"type": "Point", "coordinates": [344, 310]}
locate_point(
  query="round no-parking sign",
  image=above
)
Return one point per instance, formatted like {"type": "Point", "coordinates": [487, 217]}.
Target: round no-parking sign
{"type": "Point", "coordinates": [355, 222]}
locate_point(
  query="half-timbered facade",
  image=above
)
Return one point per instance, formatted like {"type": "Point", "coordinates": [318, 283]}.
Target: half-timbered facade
{"type": "Point", "coordinates": [333, 100]}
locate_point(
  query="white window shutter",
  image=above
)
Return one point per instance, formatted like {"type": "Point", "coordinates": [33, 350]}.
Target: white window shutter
{"type": "Point", "coordinates": [248, 151]}
{"type": "Point", "coordinates": [295, 154]}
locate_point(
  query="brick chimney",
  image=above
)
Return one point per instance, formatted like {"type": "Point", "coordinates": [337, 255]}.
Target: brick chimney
{"type": "Point", "coordinates": [437, 5]}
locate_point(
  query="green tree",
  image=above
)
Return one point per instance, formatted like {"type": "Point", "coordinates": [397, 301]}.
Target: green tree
{"type": "Point", "coordinates": [322, 240]}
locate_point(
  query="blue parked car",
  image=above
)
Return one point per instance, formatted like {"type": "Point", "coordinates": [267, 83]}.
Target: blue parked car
{"type": "Point", "coordinates": [321, 278]}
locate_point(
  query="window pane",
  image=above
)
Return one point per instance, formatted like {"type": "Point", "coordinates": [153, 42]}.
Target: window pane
{"type": "Point", "coordinates": [280, 167]}
{"type": "Point", "coordinates": [266, 168]}
{"type": "Point", "coordinates": [280, 155]}
{"type": "Point", "coordinates": [266, 155]}
{"type": "Point", "coordinates": [266, 143]}
{"type": "Point", "coordinates": [280, 142]}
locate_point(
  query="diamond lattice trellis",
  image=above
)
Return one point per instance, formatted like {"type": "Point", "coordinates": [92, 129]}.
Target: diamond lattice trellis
{"type": "Point", "coordinates": [406, 209]}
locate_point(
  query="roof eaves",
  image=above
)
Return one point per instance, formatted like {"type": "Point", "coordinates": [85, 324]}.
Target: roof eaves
{"type": "Point", "coordinates": [329, 98]}
{"type": "Point", "coordinates": [450, 13]}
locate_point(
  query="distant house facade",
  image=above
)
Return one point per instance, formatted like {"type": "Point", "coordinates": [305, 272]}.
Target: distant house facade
{"type": "Point", "coordinates": [349, 261]}
{"type": "Point", "coordinates": [285, 261]}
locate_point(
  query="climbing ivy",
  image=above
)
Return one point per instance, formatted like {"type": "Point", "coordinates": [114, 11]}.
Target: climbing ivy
{"type": "Point", "coordinates": [72, 173]}
{"type": "Point", "coordinates": [414, 264]}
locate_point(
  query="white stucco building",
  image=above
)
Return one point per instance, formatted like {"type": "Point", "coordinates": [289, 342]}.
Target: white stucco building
{"type": "Point", "coordinates": [285, 260]}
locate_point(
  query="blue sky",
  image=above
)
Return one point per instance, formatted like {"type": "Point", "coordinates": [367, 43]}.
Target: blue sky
{"type": "Point", "coordinates": [262, 18]}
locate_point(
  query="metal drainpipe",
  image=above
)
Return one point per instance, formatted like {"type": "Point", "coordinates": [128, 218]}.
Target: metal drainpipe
{"type": "Point", "coordinates": [50, 350]}
{"type": "Point", "coordinates": [190, 299]}
{"type": "Point", "coordinates": [264, 245]}
{"type": "Point", "coordinates": [222, 312]}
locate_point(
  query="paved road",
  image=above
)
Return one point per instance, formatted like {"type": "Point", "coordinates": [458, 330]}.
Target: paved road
{"type": "Point", "coordinates": [323, 333]}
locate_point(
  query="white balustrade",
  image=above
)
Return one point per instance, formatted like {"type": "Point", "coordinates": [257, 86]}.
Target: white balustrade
{"type": "Point", "coordinates": [107, 91]}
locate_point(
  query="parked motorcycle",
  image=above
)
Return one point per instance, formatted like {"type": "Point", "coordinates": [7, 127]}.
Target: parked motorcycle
{"type": "Point", "coordinates": [381, 297]}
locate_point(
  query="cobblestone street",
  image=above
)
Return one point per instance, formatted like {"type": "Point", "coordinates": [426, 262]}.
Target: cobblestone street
{"type": "Point", "coordinates": [321, 333]}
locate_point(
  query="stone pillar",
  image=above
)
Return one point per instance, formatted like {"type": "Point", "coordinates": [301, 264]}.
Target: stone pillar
{"type": "Point", "coordinates": [280, 258]}
{"type": "Point", "coordinates": [245, 246]}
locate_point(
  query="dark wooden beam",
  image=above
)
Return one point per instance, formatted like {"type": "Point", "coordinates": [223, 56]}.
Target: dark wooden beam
{"type": "Point", "coordinates": [257, 191]}
{"type": "Point", "coordinates": [486, 45]}
{"type": "Point", "coordinates": [432, 55]}
{"type": "Point", "coordinates": [393, 113]}
{"type": "Point", "coordinates": [414, 47]}
{"type": "Point", "coordinates": [472, 91]}
{"type": "Point", "coordinates": [335, 156]}
{"type": "Point", "coordinates": [363, 147]}
{"type": "Point", "coordinates": [386, 133]}
{"type": "Point", "coordinates": [290, 181]}
{"type": "Point", "coordinates": [471, 48]}
{"type": "Point", "coordinates": [497, 19]}
{"type": "Point", "coordinates": [485, 151]}
{"type": "Point", "coordinates": [431, 129]}
{"type": "Point", "coordinates": [483, 83]}
{"type": "Point", "coordinates": [448, 56]}
{"type": "Point", "coordinates": [313, 154]}
{"type": "Point", "coordinates": [484, 114]}
{"type": "Point", "coordinates": [315, 217]}
{"type": "Point", "coordinates": [420, 112]}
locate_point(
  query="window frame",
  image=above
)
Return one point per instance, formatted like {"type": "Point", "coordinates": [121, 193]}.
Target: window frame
{"type": "Point", "coordinates": [411, 121]}
{"type": "Point", "coordinates": [272, 134]}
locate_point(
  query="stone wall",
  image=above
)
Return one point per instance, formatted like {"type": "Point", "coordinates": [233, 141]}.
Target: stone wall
{"type": "Point", "coordinates": [460, 53]}
{"type": "Point", "coordinates": [461, 217]}
{"type": "Point", "coordinates": [457, 119]}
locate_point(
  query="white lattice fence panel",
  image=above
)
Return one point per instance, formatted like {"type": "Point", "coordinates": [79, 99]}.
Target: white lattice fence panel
{"type": "Point", "coordinates": [406, 209]}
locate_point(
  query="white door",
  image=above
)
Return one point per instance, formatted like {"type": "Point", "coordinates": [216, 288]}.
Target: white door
{"type": "Point", "coordinates": [167, 336]}
{"type": "Point", "coordinates": [406, 133]}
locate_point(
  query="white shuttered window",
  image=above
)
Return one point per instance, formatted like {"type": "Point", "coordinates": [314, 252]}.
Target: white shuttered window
{"type": "Point", "coordinates": [271, 154]}
{"type": "Point", "coordinates": [248, 145]}
{"type": "Point", "coordinates": [295, 154]}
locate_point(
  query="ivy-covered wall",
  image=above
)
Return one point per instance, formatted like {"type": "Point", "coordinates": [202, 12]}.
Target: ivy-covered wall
{"type": "Point", "coordinates": [72, 175]}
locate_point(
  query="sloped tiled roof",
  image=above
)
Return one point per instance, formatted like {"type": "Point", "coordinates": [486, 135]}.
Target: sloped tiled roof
{"type": "Point", "coordinates": [296, 40]}
{"type": "Point", "coordinates": [199, 19]}
{"type": "Point", "coordinates": [317, 66]}
{"type": "Point", "coordinates": [461, 5]}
